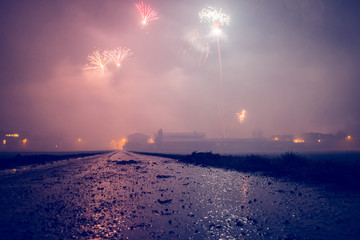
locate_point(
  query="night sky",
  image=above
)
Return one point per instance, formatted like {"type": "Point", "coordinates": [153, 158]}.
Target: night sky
{"type": "Point", "coordinates": [293, 65]}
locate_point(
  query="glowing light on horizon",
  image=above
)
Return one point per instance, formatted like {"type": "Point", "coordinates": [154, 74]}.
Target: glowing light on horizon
{"type": "Point", "coordinates": [276, 139]}
{"type": "Point", "coordinates": [348, 137]}
{"type": "Point", "coordinates": [4, 141]}
{"type": "Point", "coordinates": [151, 141]}
{"type": "Point", "coordinates": [298, 140]}
{"type": "Point", "coordinates": [119, 55]}
{"type": "Point", "coordinates": [24, 141]}
{"type": "Point", "coordinates": [12, 135]}
{"type": "Point", "coordinates": [98, 61]}
{"type": "Point", "coordinates": [118, 144]}
{"type": "Point", "coordinates": [213, 15]}
{"type": "Point", "coordinates": [146, 12]}
{"type": "Point", "coordinates": [122, 143]}
{"type": "Point", "coordinates": [79, 140]}
{"type": "Point", "coordinates": [241, 116]}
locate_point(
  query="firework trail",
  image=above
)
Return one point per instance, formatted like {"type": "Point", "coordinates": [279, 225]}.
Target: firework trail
{"type": "Point", "coordinates": [218, 19]}
{"type": "Point", "coordinates": [98, 61]}
{"type": "Point", "coordinates": [119, 55]}
{"type": "Point", "coordinates": [221, 89]}
{"type": "Point", "coordinates": [241, 116]}
{"type": "Point", "coordinates": [146, 12]}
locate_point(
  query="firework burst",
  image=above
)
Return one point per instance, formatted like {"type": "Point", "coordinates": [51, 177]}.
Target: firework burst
{"type": "Point", "coordinates": [98, 61]}
{"type": "Point", "coordinates": [241, 116]}
{"type": "Point", "coordinates": [212, 15]}
{"type": "Point", "coordinates": [146, 12]}
{"type": "Point", "coordinates": [119, 55]}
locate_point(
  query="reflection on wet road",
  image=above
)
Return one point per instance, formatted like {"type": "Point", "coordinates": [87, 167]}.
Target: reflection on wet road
{"type": "Point", "coordinates": [128, 196]}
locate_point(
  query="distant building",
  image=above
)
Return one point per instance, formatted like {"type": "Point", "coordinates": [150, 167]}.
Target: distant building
{"type": "Point", "coordinates": [181, 142]}
{"type": "Point", "coordinates": [338, 141]}
{"type": "Point", "coordinates": [14, 140]}
{"type": "Point", "coordinates": [138, 142]}
{"type": "Point", "coordinates": [319, 138]}
{"type": "Point", "coordinates": [175, 137]}
{"type": "Point", "coordinates": [188, 142]}
{"type": "Point", "coordinates": [282, 138]}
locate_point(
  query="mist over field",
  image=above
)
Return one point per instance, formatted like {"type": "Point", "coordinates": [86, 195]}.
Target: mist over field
{"type": "Point", "coordinates": [293, 65]}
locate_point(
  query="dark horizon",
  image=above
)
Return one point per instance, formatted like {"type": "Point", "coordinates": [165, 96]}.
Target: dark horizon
{"type": "Point", "coordinates": [182, 142]}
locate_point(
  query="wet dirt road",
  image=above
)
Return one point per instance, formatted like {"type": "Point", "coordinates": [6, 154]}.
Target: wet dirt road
{"type": "Point", "coordinates": [123, 195]}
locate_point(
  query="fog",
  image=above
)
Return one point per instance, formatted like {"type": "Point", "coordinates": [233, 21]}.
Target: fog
{"type": "Point", "coordinates": [293, 65]}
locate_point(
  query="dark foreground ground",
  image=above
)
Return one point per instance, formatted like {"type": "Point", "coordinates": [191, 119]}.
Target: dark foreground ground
{"type": "Point", "coordinates": [124, 195]}
{"type": "Point", "coordinates": [12, 160]}
{"type": "Point", "coordinates": [340, 169]}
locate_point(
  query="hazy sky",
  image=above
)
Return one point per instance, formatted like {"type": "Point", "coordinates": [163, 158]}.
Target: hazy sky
{"type": "Point", "coordinates": [292, 64]}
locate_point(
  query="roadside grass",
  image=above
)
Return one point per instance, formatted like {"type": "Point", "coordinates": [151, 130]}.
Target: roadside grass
{"type": "Point", "coordinates": [289, 165]}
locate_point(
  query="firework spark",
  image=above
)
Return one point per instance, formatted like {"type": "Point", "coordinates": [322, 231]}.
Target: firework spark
{"type": "Point", "coordinates": [241, 116]}
{"type": "Point", "coordinates": [212, 15]}
{"type": "Point", "coordinates": [98, 61]}
{"type": "Point", "coordinates": [146, 12]}
{"type": "Point", "coordinates": [119, 55]}
{"type": "Point", "coordinates": [195, 41]}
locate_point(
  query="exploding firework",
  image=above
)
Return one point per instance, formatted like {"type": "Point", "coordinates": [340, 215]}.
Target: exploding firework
{"type": "Point", "coordinates": [195, 41]}
{"type": "Point", "coordinates": [119, 55]}
{"type": "Point", "coordinates": [241, 116]}
{"type": "Point", "coordinates": [98, 61]}
{"type": "Point", "coordinates": [212, 15]}
{"type": "Point", "coordinates": [146, 12]}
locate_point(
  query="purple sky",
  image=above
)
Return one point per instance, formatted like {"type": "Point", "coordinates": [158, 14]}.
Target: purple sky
{"type": "Point", "coordinates": [293, 65]}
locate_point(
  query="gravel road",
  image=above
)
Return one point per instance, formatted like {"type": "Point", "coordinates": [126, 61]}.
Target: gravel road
{"type": "Point", "coordinates": [122, 195]}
